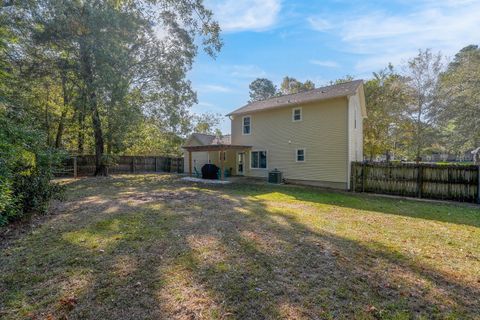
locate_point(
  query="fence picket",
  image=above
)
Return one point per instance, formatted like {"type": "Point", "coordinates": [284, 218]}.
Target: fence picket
{"type": "Point", "coordinates": [449, 182]}
{"type": "Point", "coordinates": [85, 165]}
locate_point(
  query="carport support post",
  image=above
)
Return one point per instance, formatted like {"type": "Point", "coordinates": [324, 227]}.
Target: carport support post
{"type": "Point", "coordinates": [478, 184]}
{"type": "Point", "coordinates": [221, 165]}
{"type": "Point", "coordinates": [190, 163]}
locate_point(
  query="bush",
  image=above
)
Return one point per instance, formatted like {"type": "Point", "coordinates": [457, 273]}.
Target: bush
{"type": "Point", "coordinates": [26, 192]}
{"type": "Point", "coordinates": [25, 172]}
{"type": "Point", "coordinates": [9, 205]}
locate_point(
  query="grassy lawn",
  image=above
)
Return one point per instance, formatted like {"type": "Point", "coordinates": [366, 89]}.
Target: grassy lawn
{"type": "Point", "coordinates": [153, 247]}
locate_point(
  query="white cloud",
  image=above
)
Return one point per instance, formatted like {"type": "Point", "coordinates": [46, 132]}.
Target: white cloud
{"type": "Point", "coordinates": [203, 106]}
{"type": "Point", "coordinates": [325, 63]}
{"type": "Point", "coordinates": [319, 24]}
{"type": "Point", "coordinates": [247, 71]}
{"type": "Point", "coordinates": [243, 15]}
{"type": "Point", "coordinates": [213, 88]}
{"type": "Point", "coordinates": [379, 37]}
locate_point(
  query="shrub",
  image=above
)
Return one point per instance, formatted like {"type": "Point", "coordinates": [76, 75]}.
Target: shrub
{"type": "Point", "coordinates": [25, 172]}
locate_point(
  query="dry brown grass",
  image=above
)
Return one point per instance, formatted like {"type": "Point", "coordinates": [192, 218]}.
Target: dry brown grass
{"type": "Point", "coordinates": [152, 247]}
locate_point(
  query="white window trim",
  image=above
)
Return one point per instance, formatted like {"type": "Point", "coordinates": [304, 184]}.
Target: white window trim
{"type": "Point", "coordinates": [250, 159]}
{"type": "Point", "coordinates": [243, 125]}
{"type": "Point", "coordinates": [293, 114]}
{"type": "Point", "coordinates": [304, 155]}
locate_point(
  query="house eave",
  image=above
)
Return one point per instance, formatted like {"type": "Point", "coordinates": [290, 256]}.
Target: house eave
{"type": "Point", "coordinates": [284, 105]}
{"type": "Point", "coordinates": [216, 147]}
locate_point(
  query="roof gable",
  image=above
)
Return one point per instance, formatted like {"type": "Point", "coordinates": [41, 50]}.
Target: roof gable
{"type": "Point", "coordinates": [334, 91]}
{"type": "Point", "coordinates": [202, 139]}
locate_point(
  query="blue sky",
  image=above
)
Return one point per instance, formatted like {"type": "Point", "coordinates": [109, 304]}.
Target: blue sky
{"type": "Point", "coordinates": [322, 41]}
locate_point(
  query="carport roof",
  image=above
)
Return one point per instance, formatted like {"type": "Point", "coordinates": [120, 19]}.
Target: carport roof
{"type": "Point", "coordinates": [216, 147]}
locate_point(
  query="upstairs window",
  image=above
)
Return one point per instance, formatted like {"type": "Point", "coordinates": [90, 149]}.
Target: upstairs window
{"type": "Point", "coordinates": [246, 125]}
{"type": "Point", "coordinates": [259, 160]}
{"type": "Point", "coordinates": [300, 155]}
{"type": "Point", "coordinates": [297, 114]}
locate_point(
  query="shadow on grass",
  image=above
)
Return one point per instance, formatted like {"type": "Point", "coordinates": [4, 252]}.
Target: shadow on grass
{"type": "Point", "coordinates": [133, 256]}
{"type": "Point", "coordinates": [463, 214]}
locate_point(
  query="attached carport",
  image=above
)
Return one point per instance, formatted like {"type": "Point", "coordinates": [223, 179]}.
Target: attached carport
{"type": "Point", "coordinates": [213, 147]}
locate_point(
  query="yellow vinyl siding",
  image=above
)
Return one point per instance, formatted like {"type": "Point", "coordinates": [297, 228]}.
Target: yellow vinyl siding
{"type": "Point", "coordinates": [322, 133]}
{"type": "Point", "coordinates": [198, 158]}
{"type": "Point", "coordinates": [230, 162]}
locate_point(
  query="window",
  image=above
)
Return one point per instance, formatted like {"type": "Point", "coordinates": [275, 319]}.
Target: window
{"type": "Point", "coordinates": [259, 160]}
{"type": "Point", "coordinates": [300, 154]}
{"type": "Point", "coordinates": [297, 114]}
{"type": "Point", "coordinates": [246, 125]}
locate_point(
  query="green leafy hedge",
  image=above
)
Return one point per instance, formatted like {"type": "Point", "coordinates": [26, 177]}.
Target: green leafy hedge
{"type": "Point", "coordinates": [26, 170]}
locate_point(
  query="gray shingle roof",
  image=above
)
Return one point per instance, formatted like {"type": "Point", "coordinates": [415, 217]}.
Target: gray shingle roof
{"type": "Point", "coordinates": [210, 139]}
{"type": "Point", "coordinates": [323, 93]}
{"type": "Point", "coordinates": [204, 139]}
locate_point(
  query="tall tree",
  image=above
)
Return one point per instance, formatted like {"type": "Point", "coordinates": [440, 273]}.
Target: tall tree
{"type": "Point", "coordinates": [460, 112]}
{"type": "Point", "coordinates": [118, 50]}
{"type": "Point", "coordinates": [308, 85]}
{"type": "Point", "coordinates": [207, 123]}
{"type": "Point", "coordinates": [291, 85]}
{"type": "Point", "coordinates": [422, 76]}
{"type": "Point", "coordinates": [346, 78]}
{"type": "Point", "coordinates": [385, 126]}
{"type": "Point", "coordinates": [262, 89]}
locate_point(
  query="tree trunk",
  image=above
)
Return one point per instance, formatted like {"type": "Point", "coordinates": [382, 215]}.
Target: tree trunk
{"type": "Point", "coordinates": [100, 169]}
{"type": "Point", "coordinates": [109, 126]}
{"type": "Point", "coordinates": [80, 136]}
{"type": "Point", "coordinates": [91, 95]}
{"type": "Point", "coordinates": [47, 115]}
{"type": "Point", "coordinates": [61, 124]}
{"type": "Point", "coordinates": [372, 153]}
{"type": "Point", "coordinates": [81, 124]}
{"type": "Point", "coordinates": [419, 141]}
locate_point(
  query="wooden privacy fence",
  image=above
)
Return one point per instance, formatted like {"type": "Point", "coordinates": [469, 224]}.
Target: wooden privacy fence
{"type": "Point", "coordinates": [446, 182]}
{"type": "Point", "coordinates": [85, 165]}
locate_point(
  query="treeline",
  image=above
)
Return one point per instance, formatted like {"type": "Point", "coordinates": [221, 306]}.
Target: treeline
{"type": "Point", "coordinates": [263, 88]}
{"type": "Point", "coordinates": [94, 77]}
{"type": "Point", "coordinates": [432, 106]}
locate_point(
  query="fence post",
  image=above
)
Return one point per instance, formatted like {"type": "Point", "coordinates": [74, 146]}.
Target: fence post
{"type": "Point", "coordinates": [449, 188]}
{"type": "Point", "coordinates": [75, 167]}
{"type": "Point", "coordinates": [155, 164]}
{"type": "Point", "coordinates": [419, 181]}
{"type": "Point", "coordinates": [133, 164]}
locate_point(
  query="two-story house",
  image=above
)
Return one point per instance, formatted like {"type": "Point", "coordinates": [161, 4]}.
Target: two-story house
{"type": "Point", "coordinates": [311, 137]}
